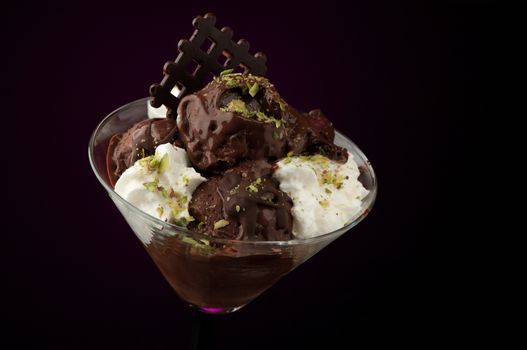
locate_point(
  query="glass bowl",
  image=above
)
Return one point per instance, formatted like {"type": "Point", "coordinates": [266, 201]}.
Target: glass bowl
{"type": "Point", "coordinates": [212, 274]}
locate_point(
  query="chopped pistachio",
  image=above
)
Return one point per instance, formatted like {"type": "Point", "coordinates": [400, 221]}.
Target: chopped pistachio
{"type": "Point", "coordinates": [186, 180]}
{"type": "Point", "coordinates": [164, 192]}
{"type": "Point", "coordinates": [254, 89]}
{"type": "Point", "coordinates": [282, 104]}
{"type": "Point", "coordinates": [151, 186]}
{"type": "Point", "coordinates": [200, 225]}
{"type": "Point", "coordinates": [160, 211]}
{"type": "Point", "coordinates": [252, 188]}
{"type": "Point", "coordinates": [153, 164]}
{"type": "Point", "coordinates": [231, 83]}
{"type": "Point", "coordinates": [324, 203]}
{"type": "Point", "coordinates": [175, 209]}
{"type": "Point", "coordinates": [238, 208]}
{"type": "Point", "coordinates": [288, 160]}
{"type": "Point", "coordinates": [163, 163]}
{"type": "Point", "coordinates": [202, 244]}
{"type": "Point", "coordinates": [258, 181]}
{"type": "Point", "coordinates": [328, 191]}
{"type": "Point", "coordinates": [277, 123]}
{"type": "Point", "coordinates": [261, 116]}
{"type": "Point", "coordinates": [332, 178]}
{"type": "Point", "coordinates": [290, 153]}
{"type": "Point", "coordinates": [236, 106]}
{"type": "Point", "coordinates": [189, 240]}
{"type": "Point", "coordinates": [226, 71]}
{"type": "Point", "coordinates": [145, 162]}
{"type": "Point", "coordinates": [220, 223]}
{"type": "Point", "coordinates": [276, 135]}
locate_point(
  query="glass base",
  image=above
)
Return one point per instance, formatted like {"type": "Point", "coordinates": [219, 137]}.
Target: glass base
{"type": "Point", "coordinates": [216, 310]}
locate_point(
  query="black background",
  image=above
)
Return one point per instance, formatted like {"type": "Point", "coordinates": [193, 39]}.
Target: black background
{"type": "Point", "coordinates": [392, 76]}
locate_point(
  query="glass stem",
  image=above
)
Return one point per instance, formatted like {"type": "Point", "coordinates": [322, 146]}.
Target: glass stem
{"type": "Point", "coordinates": [204, 331]}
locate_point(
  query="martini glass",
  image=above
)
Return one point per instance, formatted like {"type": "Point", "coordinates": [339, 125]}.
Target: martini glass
{"type": "Point", "coordinates": [216, 276]}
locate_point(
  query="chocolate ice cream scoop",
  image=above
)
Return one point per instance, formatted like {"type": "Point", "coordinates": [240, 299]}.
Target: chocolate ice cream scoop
{"type": "Point", "coordinates": [244, 203]}
{"type": "Point", "coordinates": [312, 133]}
{"type": "Point", "coordinates": [138, 142]}
{"type": "Point", "coordinates": [242, 116]}
{"type": "Point", "coordinates": [236, 116]}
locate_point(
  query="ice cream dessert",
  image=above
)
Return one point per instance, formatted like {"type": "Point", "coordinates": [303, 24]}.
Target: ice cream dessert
{"type": "Point", "coordinates": [235, 162]}
{"type": "Point", "coordinates": [227, 186]}
{"type": "Point", "coordinates": [239, 163]}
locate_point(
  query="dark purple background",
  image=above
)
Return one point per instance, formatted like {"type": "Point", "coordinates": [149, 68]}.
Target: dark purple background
{"type": "Point", "coordinates": [393, 77]}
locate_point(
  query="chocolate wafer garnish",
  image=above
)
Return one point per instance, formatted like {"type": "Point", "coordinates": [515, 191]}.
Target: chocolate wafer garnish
{"type": "Point", "coordinates": [192, 68]}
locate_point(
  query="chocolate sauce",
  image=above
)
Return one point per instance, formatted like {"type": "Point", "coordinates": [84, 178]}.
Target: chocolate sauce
{"type": "Point", "coordinates": [222, 279]}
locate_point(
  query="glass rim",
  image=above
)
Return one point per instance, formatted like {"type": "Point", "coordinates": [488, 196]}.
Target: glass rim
{"type": "Point", "coordinates": [368, 201]}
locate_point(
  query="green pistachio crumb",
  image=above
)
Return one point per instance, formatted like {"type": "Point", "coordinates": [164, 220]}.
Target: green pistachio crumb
{"type": "Point", "coordinates": [163, 163]}
{"type": "Point", "coordinates": [238, 208]}
{"type": "Point", "coordinates": [236, 106]}
{"type": "Point", "coordinates": [261, 116]}
{"type": "Point", "coordinates": [226, 71]}
{"type": "Point", "coordinates": [151, 186]}
{"type": "Point", "coordinates": [160, 211]}
{"type": "Point", "coordinates": [251, 188]}
{"type": "Point", "coordinates": [153, 164]}
{"type": "Point", "coordinates": [189, 240]}
{"type": "Point", "coordinates": [231, 83]}
{"type": "Point", "coordinates": [164, 192]}
{"type": "Point", "coordinates": [282, 104]}
{"type": "Point", "coordinates": [220, 223]}
{"type": "Point", "coordinates": [324, 203]}
{"type": "Point", "coordinates": [254, 89]}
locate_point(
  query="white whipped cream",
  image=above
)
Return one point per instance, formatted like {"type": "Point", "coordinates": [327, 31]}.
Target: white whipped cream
{"type": "Point", "coordinates": [160, 112]}
{"type": "Point", "coordinates": [161, 185]}
{"type": "Point", "coordinates": [326, 194]}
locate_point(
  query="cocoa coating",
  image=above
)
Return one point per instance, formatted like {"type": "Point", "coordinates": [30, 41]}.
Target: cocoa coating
{"type": "Point", "coordinates": [249, 199]}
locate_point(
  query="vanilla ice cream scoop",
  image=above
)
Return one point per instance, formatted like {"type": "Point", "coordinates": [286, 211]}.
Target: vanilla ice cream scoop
{"type": "Point", "coordinates": [161, 185]}
{"type": "Point", "coordinates": [326, 194]}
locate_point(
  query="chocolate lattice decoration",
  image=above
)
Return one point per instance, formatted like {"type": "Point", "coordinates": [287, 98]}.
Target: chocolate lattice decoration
{"type": "Point", "coordinates": [202, 64]}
